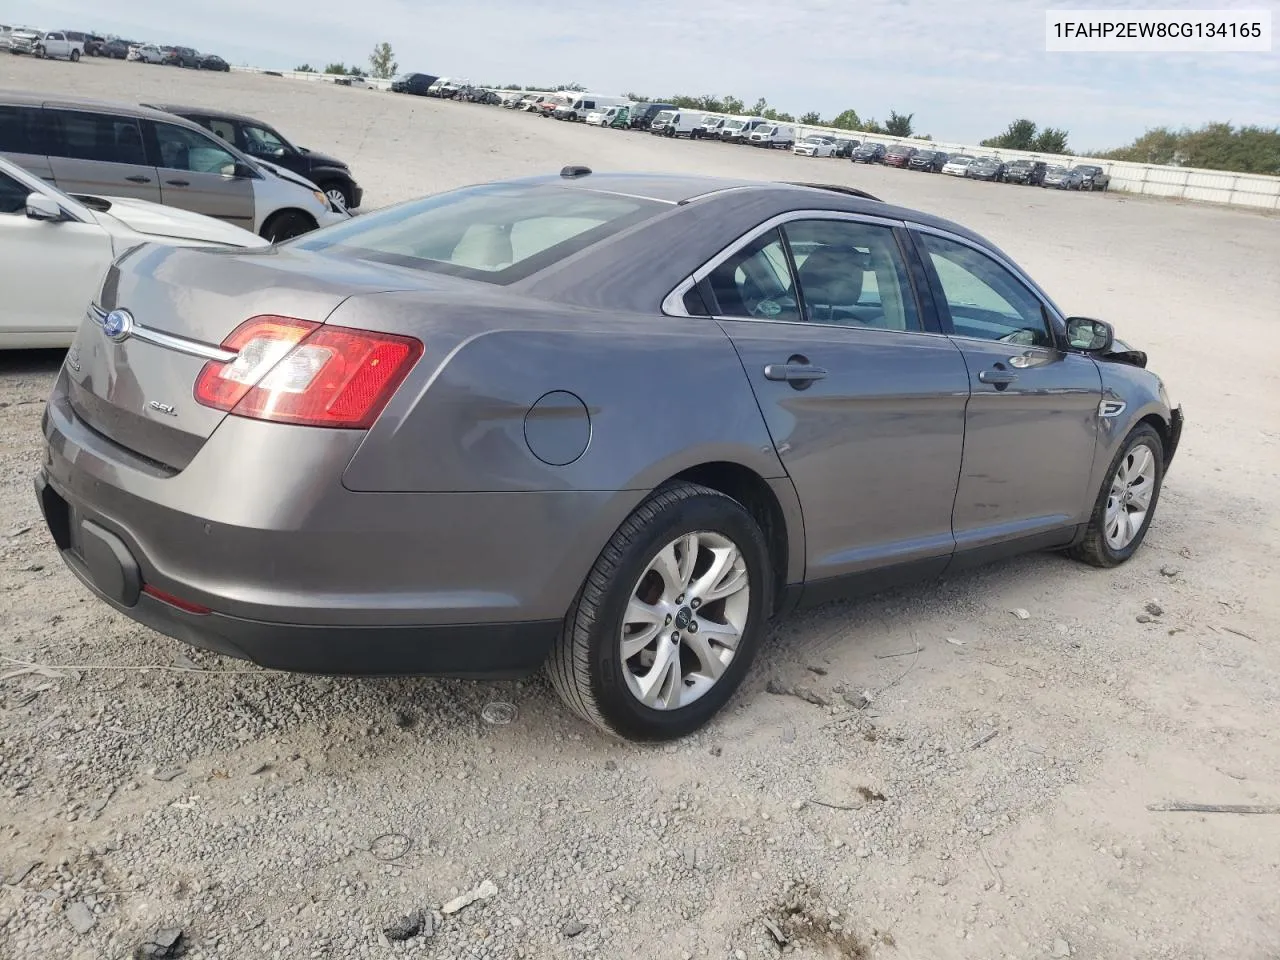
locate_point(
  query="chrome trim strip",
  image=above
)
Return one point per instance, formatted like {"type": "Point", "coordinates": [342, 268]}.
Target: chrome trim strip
{"type": "Point", "coordinates": [673, 302]}
{"type": "Point", "coordinates": [168, 341]}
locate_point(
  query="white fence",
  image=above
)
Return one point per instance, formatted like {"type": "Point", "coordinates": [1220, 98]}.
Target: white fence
{"type": "Point", "coordinates": [1183, 183]}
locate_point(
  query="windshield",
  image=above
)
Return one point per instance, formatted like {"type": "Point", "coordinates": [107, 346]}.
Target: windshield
{"type": "Point", "coordinates": [733, 124]}
{"type": "Point", "coordinates": [495, 232]}
{"type": "Point", "coordinates": [963, 161]}
{"type": "Point", "coordinates": [1089, 170]}
{"type": "Point", "coordinates": [766, 131]}
{"type": "Point", "coordinates": [1056, 170]}
{"type": "Point", "coordinates": [1020, 163]}
{"type": "Point", "coordinates": [664, 117]}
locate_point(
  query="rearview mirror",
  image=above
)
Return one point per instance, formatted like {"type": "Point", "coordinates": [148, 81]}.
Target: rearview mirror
{"type": "Point", "coordinates": [1091, 336]}
{"type": "Point", "coordinates": [40, 207]}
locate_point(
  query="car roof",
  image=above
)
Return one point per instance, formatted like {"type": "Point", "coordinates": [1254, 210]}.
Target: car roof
{"type": "Point", "coordinates": [183, 109]}
{"type": "Point", "coordinates": [681, 189]}
{"type": "Point", "coordinates": [25, 98]}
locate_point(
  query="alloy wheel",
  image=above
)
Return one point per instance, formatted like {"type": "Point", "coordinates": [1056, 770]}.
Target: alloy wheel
{"type": "Point", "coordinates": [684, 620]}
{"type": "Point", "coordinates": [1129, 499]}
{"type": "Point", "coordinates": [337, 197]}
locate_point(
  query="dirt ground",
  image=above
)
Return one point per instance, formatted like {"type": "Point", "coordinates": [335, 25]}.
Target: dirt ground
{"type": "Point", "coordinates": [990, 799]}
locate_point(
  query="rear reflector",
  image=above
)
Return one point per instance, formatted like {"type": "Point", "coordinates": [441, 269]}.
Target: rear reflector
{"type": "Point", "coordinates": [297, 371]}
{"type": "Point", "coordinates": [173, 601]}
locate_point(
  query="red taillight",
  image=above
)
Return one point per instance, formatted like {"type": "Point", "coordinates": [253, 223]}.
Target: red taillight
{"type": "Point", "coordinates": [171, 600]}
{"type": "Point", "coordinates": [297, 371]}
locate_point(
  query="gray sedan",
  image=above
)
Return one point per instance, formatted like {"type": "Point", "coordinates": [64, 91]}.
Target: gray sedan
{"type": "Point", "coordinates": [609, 424]}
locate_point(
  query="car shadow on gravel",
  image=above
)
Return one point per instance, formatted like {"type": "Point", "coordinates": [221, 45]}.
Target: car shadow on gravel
{"type": "Point", "coordinates": [30, 363]}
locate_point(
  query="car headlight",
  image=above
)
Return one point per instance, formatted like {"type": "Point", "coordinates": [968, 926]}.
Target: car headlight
{"type": "Point", "coordinates": [321, 198]}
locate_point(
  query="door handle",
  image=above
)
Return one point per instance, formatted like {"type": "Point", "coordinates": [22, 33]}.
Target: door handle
{"type": "Point", "coordinates": [138, 179]}
{"type": "Point", "coordinates": [799, 373]}
{"type": "Point", "coordinates": [178, 183]}
{"type": "Point", "coordinates": [997, 378]}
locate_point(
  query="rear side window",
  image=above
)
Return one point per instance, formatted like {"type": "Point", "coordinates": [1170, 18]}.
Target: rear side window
{"type": "Point", "coordinates": [495, 232]}
{"type": "Point", "coordinates": [13, 195]}
{"type": "Point", "coordinates": [23, 130]}
{"type": "Point", "coordinates": [97, 136]}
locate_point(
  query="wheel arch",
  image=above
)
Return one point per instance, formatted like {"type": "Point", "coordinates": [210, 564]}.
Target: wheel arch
{"type": "Point", "coordinates": [781, 521]}
{"type": "Point", "coordinates": [275, 215]}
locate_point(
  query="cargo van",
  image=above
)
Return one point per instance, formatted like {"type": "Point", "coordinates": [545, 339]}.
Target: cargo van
{"type": "Point", "coordinates": [643, 114]}
{"type": "Point", "coordinates": [676, 123]}
{"type": "Point", "coordinates": [780, 135]}
{"type": "Point", "coordinates": [708, 129]}
{"type": "Point", "coordinates": [739, 129]}
{"type": "Point", "coordinates": [587, 103]}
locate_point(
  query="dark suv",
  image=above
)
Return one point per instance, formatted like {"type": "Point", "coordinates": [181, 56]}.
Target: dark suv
{"type": "Point", "coordinates": [415, 83]}
{"type": "Point", "coordinates": [262, 141]}
{"type": "Point", "coordinates": [929, 160]}
{"type": "Point", "coordinates": [181, 57]}
{"type": "Point", "coordinates": [1029, 172]}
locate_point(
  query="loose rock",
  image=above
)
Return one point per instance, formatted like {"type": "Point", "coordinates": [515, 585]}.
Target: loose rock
{"type": "Point", "coordinates": [165, 944]}
{"type": "Point", "coordinates": [406, 927]}
{"type": "Point", "coordinates": [1061, 948]}
{"type": "Point", "coordinates": [486, 890]}
{"type": "Point", "coordinates": [573, 928]}
{"type": "Point", "coordinates": [80, 917]}
{"type": "Point", "coordinates": [1155, 609]}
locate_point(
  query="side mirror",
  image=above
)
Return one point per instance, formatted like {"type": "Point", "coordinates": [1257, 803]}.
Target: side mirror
{"type": "Point", "coordinates": [40, 207]}
{"type": "Point", "coordinates": [1091, 336]}
{"type": "Point", "coordinates": [238, 171]}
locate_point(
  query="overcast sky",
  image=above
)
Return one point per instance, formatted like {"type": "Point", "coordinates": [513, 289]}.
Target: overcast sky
{"type": "Point", "coordinates": [964, 68]}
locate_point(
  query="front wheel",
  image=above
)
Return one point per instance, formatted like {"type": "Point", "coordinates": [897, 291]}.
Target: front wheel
{"type": "Point", "coordinates": [338, 193]}
{"type": "Point", "coordinates": [75, 56]}
{"type": "Point", "coordinates": [1127, 502]}
{"type": "Point", "coordinates": [668, 620]}
{"type": "Point", "coordinates": [287, 224]}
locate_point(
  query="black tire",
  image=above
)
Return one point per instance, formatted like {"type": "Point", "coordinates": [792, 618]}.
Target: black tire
{"type": "Point", "coordinates": [40, 53]}
{"type": "Point", "coordinates": [287, 224]}
{"type": "Point", "coordinates": [1094, 548]}
{"type": "Point", "coordinates": [75, 56]}
{"type": "Point", "coordinates": [332, 186]}
{"type": "Point", "coordinates": [585, 666]}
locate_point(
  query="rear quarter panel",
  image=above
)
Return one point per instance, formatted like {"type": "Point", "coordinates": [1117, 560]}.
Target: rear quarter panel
{"type": "Point", "coordinates": [662, 394]}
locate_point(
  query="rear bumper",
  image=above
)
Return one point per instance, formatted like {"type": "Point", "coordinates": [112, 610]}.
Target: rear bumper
{"type": "Point", "coordinates": [288, 568]}
{"type": "Point", "coordinates": [104, 563]}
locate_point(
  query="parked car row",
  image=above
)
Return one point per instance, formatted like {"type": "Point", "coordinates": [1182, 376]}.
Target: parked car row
{"type": "Point", "coordinates": [74, 44]}
{"type": "Point", "coordinates": [175, 57]}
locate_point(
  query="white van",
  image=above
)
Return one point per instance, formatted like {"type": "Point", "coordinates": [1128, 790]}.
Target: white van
{"type": "Point", "coordinates": [676, 123]}
{"type": "Point", "coordinates": [780, 135]}
{"type": "Point", "coordinates": [587, 103]}
{"type": "Point", "coordinates": [709, 128]}
{"type": "Point", "coordinates": [605, 118]}
{"type": "Point", "coordinates": [739, 129]}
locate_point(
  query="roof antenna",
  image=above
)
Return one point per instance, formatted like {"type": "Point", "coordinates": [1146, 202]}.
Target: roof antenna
{"type": "Point", "coordinates": [574, 170]}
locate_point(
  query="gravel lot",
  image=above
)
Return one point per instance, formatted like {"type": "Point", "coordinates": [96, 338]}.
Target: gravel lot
{"type": "Point", "coordinates": [985, 796]}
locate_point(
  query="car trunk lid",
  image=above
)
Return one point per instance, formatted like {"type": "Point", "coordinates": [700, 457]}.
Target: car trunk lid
{"type": "Point", "coordinates": [132, 380]}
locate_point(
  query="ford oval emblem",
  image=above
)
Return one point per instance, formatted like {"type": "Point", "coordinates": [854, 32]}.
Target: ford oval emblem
{"type": "Point", "coordinates": [117, 325]}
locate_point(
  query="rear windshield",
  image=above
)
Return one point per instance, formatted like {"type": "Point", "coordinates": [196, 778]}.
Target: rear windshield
{"type": "Point", "coordinates": [498, 233]}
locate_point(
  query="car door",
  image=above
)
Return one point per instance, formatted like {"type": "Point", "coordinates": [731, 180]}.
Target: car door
{"type": "Point", "coordinates": [198, 173]}
{"type": "Point", "coordinates": [101, 154]}
{"type": "Point", "coordinates": [864, 402]}
{"type": "Point", "coordinates": [1031, 426]}
{"type": "Point", "coordinates": [49, 272]}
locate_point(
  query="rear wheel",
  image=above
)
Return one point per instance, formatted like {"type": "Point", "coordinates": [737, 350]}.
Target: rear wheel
{"type": "Point", "coordinates": [75, 56]}
{"type": "Point", "coordinates": [287, 224]}
{"type": "Point", "coordinates": [665, 626]}
{"type": "Point", "coordinates": [1127, 502]}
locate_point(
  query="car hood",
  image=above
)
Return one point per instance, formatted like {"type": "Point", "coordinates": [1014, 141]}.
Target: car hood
{"type": "Point", "coordinates": [155, 220]}
{"type": "Point", "coordinates": [284, 174]}
{"type": "Point", "coordinates": [323, 159]}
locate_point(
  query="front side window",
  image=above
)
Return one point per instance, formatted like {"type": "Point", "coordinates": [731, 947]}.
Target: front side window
{"type": "Point", "coordinates": [852, 274]}
{"type": "Point", "coordinates": [22, 130]}
{"type": "Point", "coordinates": [183, 149]}
{"type": "Point", "coordinates": [99, 136]}
{"type": "Point", "coordinates": [986, 301]}
{"type": "Point", "coordinates": [13, 195]}
{"type": "Point", "coordinates": [261, 142]}
{"type": "Point", "coordinates": [493, 232]}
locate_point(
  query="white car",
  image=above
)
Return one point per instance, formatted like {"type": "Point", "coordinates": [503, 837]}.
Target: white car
{"type": "Point", "coordinates": [145, 53]}
{"type": "Point", "coordinates": [958, 166]}
{"type": "Point", "coordinates": [55, 249]}
{"type": "Point", "coordinates": [815, 147]}
{"type": "Point", "coordinates": [595, 118]}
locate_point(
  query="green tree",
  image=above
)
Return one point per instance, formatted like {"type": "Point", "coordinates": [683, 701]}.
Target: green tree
{"type": "Point", "coordinates": [760, 107]}
{"type": "Point", "coordinates": [305, 68]}
{"type": "Point", "coordinates": [848, 120]}
{"type": "Point", "coordinates": [339, 69]}
{"type": "Point", "coordinates": [383, 61]}
{"type": "Point", "coordinates": [899, 125]}
{"type": "Point", "coordinates": [1215, 146]}
{"type": "Point", "coordinates": [1020, 135]}
{"type": "Point", "coordinates": [1051, 140]}
{"type": "Point", "coordinates": [812, 118]}
{"type": "Point", "coordinates": [734, 106]}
